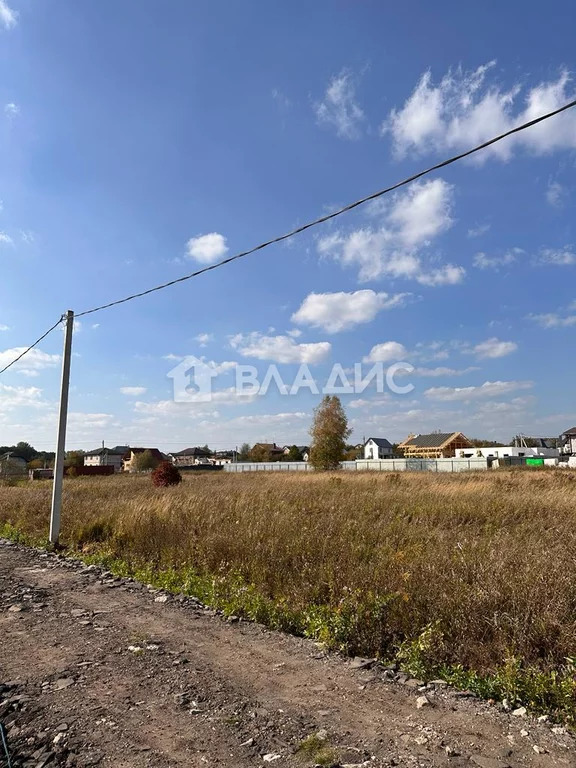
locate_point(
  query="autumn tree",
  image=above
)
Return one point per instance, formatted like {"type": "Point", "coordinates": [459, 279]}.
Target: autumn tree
{"type": "Point", "coordinates": [244, 453]}
{"type": "Point", "coordinates": [329, 432]}
{"type": "Point", "coordinates": [260, 453]}
{"type": "Point", "coordinates": [145, 461]}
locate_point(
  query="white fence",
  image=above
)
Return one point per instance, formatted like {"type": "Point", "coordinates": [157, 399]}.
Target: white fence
{"type": "Point", "coordinates": [384, 465]}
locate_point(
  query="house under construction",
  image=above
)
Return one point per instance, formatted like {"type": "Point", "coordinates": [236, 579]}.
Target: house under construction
{"type": "Point", "coordinates": [438, 445]}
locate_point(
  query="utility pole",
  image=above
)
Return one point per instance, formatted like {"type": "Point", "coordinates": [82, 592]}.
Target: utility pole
{"type": "Point", "coordinates": [62, 419]}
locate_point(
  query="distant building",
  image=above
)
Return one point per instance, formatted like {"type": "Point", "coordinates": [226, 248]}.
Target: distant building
{"type": "Point", "coordinates": [190, 456]}
{"type": "Point", "coordinates": [378, 448]}
{"type": "Point", "coordinates": [438, 445]}
{"type": "Point", "coordinates": [504, 452]}
{"type": "Point", "coordinates": [568, 442]}
{"type": "Point", "coordinates": [271, 451]}
{"type": "Point", "coordinates": [10, 464]}
{"type": "Point", "coordinates": [106, 457]}
{"type": "Point", "coordinates": [128, 459]}
{"type": "Point", "coordinates": [303, 449]}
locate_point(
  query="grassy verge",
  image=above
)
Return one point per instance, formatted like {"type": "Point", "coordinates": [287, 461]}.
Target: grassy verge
{"type": "Point", "coordinates": [469, 577]}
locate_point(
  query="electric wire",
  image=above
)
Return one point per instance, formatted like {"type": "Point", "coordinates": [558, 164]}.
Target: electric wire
{"type": "Point", "coordinates": [31, 347]}
{"type": "Point", "coordinates": [309, 225]}
{"type": "Point", "coordinates": [334, 214]}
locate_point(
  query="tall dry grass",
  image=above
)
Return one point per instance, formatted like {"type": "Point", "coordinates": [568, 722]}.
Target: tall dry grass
{"type": "Point", "coordinates": [485, 560]}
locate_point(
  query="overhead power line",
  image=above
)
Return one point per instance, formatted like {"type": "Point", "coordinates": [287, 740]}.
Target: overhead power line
{"type": "Point", "coordinates": [334, 214]}
{"type": "Point", "coordinates": [31, 347]}
{"type": "Point", "coordinates": [310, 224]}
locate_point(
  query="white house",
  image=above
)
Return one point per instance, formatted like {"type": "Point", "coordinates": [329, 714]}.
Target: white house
{"type": "Point", "coordinates": [502, 452]}
{"type": "Point", "coordinates": [104, 457]}
{"type": "Point", "coordinates": [378, 448]}
{"type": "Point", "coordinates": [304, 451]}
{"type": "Point", "coordinates": [568, 442]}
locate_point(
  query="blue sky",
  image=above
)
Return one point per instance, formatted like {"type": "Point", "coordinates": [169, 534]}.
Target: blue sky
{"type": "Point", "coordinates": [142, 140]}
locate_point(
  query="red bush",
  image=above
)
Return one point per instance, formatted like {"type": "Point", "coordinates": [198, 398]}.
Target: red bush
{"type": "Point", "coordinates": [166, 474]}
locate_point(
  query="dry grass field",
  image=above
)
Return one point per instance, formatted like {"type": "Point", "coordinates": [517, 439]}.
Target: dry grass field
{"type": "Point", "coordinates": [472, 576]}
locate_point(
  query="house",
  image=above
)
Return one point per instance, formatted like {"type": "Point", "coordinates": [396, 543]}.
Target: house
{"type": "Point", "coordinates": [568, 442]}
{"type": "Point", "coordinates": [106, 457]}
{"type": "Point", "coordinates": [378, 448]}
{"type": "Point", "coordinates": [304, 451]}
{"type": "Point", "coordinates": [438, 445]}
{"type": "Point", "coordinates": [504, 452]}
{"type": "Point", "coordinates": [11, 464]}
{"type": "Point", "coordinates": [128, 458]}
{"type": "Point", "coordinates": [266, 452]}
{"type": "Point", "coordinates": [190, 456]}
{"type": "Point", "coordinates": [219, 458]}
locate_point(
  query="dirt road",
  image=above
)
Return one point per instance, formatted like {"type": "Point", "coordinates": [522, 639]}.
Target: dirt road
{"type": "Point", "coordinates": [98, 670]}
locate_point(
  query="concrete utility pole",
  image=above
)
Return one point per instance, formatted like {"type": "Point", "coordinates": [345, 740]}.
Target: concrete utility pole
{"type": "Point", "coordinates": [62, 419]}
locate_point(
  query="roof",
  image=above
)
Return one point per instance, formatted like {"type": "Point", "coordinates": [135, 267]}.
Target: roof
{"type": "Point", "coordinates": [268, 446]}
{"type": "Point", "coordinates": [570, 431]}
{"type": "Point", "coordinates": [154, 451]}
{"type": "Point", "coordinates": [435, 440]}
{"type": "Point", "coordinates": [107, 452]}
{"type": "Point", "coordinates": [193, 452]}
{"type": "Point", "coordinates": [381, 442]}
{"type": "Point", "coordinates": [10, 456]}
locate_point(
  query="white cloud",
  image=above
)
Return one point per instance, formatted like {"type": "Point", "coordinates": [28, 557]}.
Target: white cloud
{"type": "Point", "coordinates": [227, 396]}
{"type": "Point", "coordinates": [207, 249]}
{"type": "Point", "coordinates": [218, 368]}
{"type": "Point", "coordinates": [466, 109]}
{"type": "Point", "coordinates": [133, 391]}
{"type": "Point", "coordinates": [280, 349]}
{"type": "Point", "coordinates": [483, 261]}
{"type": "Point", "coordinates": [266, 419]}
{"type": "Point", "coordinates": [31, 364]}
{"type": "Point", "coordinates": [8, 17]}
{"type": "Point", "coordinates": [17, 397]}
{"type": "Point", "coordinates": [558, 257]}
{"type": "Point", "coordinates": [488, 389]}
{"type": "Point", "coordinates": [339, 108]}
{"type": "Point", "coordinates": [492, 348]}
{"type": "Point", "coordinates": [479, 230]}
{"type": "Point", "coordinates": [82, 423]}
{"type": "Point", "coordinates": [11, 109]}
{"type": "Point", "coordinates": [387, 352]}
{"type": "Point", "coordinates": [282, 101]}
{"type": "Point", "coordinates": [442, 371]}
{"type": "Point", "coordinates": [409, 223]}
{"type": "Point", "coordinates": [555, 194]}
{"type": "Point", "coordinates": [335, 312]}
{"type": "Point", "coordinates": [446, 275]}
{"type": "Point", "coordinates": [5, 239]}
{"type": "Point", "coordinates": [94, 326]}
{"type": "Point", "coordinates": [4, 327]}
{"type": "Point", "coordinates": [553, 320]}
{"type": "Point", "coordinates": [204, 338]}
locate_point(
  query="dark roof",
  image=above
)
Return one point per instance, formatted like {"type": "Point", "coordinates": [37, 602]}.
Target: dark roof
{"type": "Point", "coordinates": [11, 456]}
{"type": "Point", "coordinates": [121, 449]}
{"type": "Point", "coordinates": [434, 440]}
{"type": "Point", "coordinates": [154, 451]}
{"type": "Point", "coordinates": [381, 442]}
{"type": "Point", "coordinates": [106, 452]}
{"type": "Point", "coordinates": [193, 452]}
{"type": "Point", "coordinates": [269, 446]}
{"type": "Point", "coordinates": [570, 431]}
